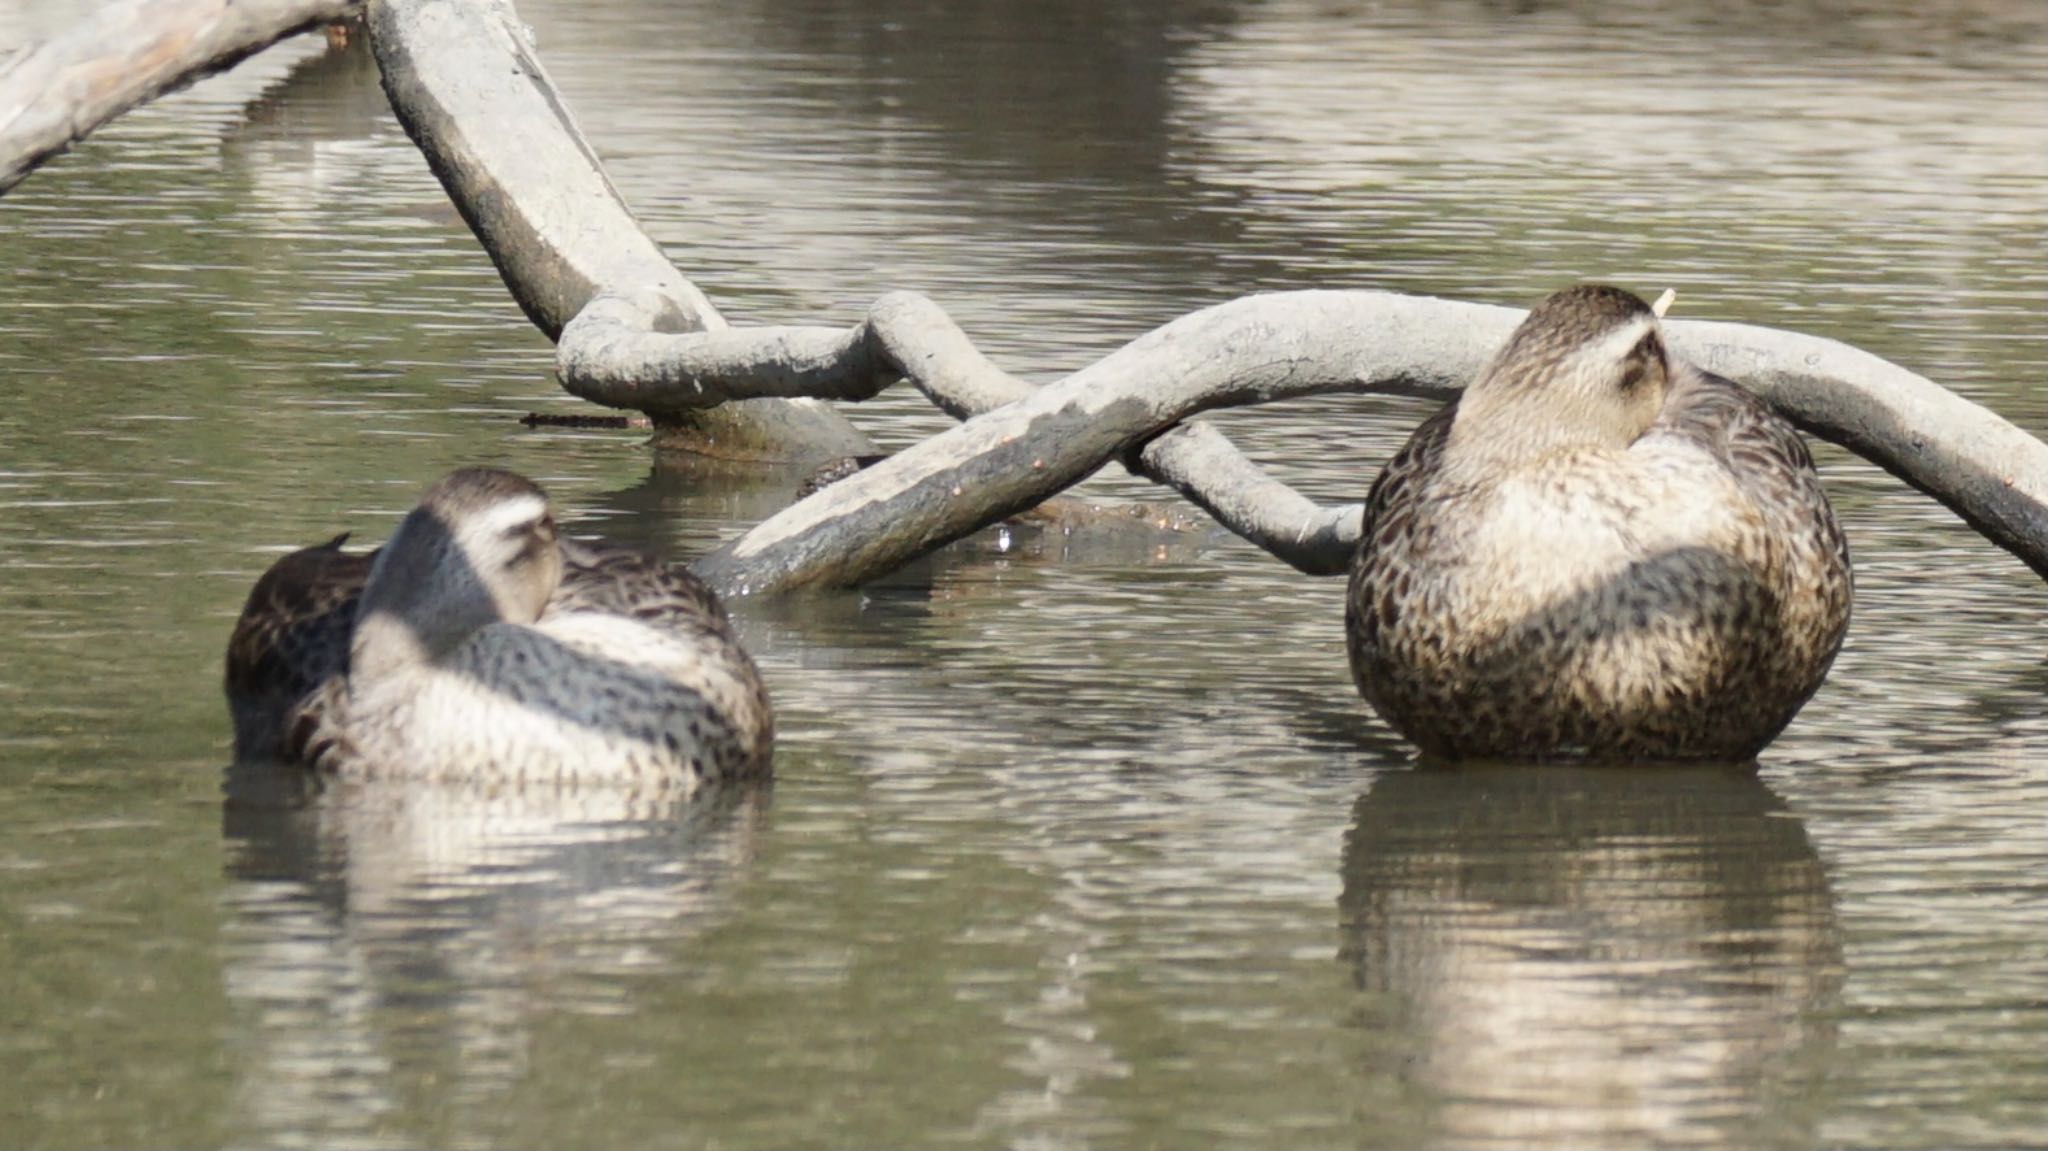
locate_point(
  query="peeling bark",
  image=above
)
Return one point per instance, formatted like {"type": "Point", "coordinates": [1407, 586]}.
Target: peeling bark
{"type": "Point", "coordinates": [56, 93]}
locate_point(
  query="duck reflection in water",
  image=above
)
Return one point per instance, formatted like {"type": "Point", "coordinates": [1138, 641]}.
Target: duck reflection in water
{"type": "Point", "coordinates": [398, 952]}
{"type": "Point", "coordinates": [1588, 958]}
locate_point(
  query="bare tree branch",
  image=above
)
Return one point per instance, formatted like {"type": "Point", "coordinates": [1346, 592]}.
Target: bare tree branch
{"type": "Point", "coordinates": [1194, 459]}
{"type": "Point", "coordinates": [611, 354]}
{"type": "Point", "coordinates": [127, 53]}
{"type": "Point", "coordinates": [608, 354]}
{"type": "Point", "coordinates": [1249, 351]}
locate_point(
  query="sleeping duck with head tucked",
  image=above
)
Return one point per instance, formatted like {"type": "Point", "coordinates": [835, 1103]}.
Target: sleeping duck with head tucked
{"type": "Point", "coordinates": [479, 645]}
{"type": "Point", "coordinates": [1598, 552]}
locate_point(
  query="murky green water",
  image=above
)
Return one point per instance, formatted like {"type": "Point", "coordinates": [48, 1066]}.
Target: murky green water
{"type": "Point", "coordinates": [1074, 843]}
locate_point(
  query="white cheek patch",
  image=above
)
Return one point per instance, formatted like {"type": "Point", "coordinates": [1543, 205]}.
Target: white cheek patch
{"type": "Point", "coordinates": [1612, 347]}
{"type": "Point", "coordinates": [493, 522]}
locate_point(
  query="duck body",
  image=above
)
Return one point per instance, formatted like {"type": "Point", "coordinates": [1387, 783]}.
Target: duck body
{"type": "Point", "coordinates": [1567, 565]}
{"type": "Point", "coordinates": [481, 648]}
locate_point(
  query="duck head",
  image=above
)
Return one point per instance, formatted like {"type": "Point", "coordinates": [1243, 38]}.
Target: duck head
{"type": "Point", "coordinates": [479, 549]}
{"type": "Point", "coordinates": [1586, 368]}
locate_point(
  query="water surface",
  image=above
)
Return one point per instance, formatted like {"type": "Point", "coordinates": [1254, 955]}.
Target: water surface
{"type": "Point", "coordinates": [1074, 842]}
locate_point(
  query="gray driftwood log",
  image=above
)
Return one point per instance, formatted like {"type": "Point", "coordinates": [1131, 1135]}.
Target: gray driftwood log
{"type": "Point", "coordinates": [1263, 348]}
{"type": "Point", "coordinates": [514, 162]}
{"type": "Point", "coordinates": [126, 53]}
{"type": "Point", "coordinates": [1011, 457]}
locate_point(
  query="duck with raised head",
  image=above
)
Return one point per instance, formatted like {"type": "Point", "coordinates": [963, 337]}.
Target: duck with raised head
{"type": "Point", "coordinates": [1598, 552]}
{"type": "Point", "coordinates": [478, 645]}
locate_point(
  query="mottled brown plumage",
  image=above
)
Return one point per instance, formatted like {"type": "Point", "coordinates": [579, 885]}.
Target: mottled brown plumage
{"type": "Point", "coordinates": [292, 637]}
{"type": "Point", "coordinates": [493, 650]}
{"type": "Point", "coordinates": [1599, 552]}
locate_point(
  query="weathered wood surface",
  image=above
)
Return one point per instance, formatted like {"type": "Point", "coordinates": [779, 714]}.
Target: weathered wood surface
{"type": "Point", "coordinates": [124, 54]}
{"type": "Point", "coordinates": [629, 351]}
{"type": "Point", "coordinates": [1263, 348]}
{"type": "Point", "coordinates": [475, 99]}
{"type": "Point", "coordinates": [1250, 351]}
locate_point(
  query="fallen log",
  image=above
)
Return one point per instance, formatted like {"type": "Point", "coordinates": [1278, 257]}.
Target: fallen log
{"type": "Point", "coordinates": [124, 54]}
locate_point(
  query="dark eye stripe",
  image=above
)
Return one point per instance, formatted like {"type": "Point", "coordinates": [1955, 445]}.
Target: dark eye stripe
{"type": "Point", "coordinates": [532, 551]}
{"type": "Point", "coordinates": [542, 528]}
{"type": "Point", "coordinates": [1636, 368]}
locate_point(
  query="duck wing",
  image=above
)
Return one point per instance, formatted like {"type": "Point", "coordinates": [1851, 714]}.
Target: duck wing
{"type": "Point", "coordinates": [1770, 463]}
{"type": "Point", "coordinates": [1805, 555]}
{"type": "Point", "coordinates": [1392, 535]}
{"type": "Point", "coordinates": [1400, 482]}
{"type": "Point", "coordinates": [613, 581]}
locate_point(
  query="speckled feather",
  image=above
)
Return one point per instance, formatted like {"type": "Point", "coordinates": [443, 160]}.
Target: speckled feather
{"type": "Point", "coordinates": [1679, 599]}
{"type": "Point", "coordinates": [291, 639]}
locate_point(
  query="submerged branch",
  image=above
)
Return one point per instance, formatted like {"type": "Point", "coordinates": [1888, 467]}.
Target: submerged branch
{"type": "Point", "coordinates": [127, 53]}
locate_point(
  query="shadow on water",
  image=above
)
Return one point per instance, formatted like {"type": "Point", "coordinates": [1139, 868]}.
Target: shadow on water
{"type": "Point", "coordinates": [387, 935]}
{"type": "Point", "coordinates": [1585, 958]}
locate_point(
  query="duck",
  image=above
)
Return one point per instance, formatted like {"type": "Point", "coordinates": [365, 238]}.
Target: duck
{"type": "Point", "coordinates": [480, 645]}
{"type": "Point", "coordinates": [1598, 552]}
